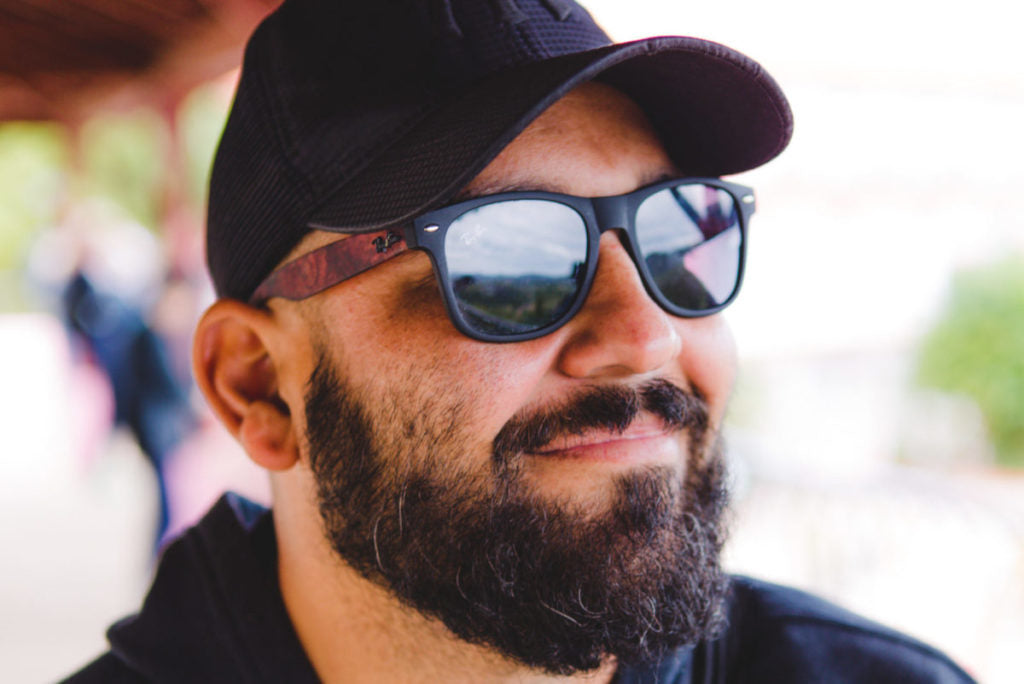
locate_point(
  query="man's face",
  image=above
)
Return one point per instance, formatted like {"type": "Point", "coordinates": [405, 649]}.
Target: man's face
{"type": "Point", "coordinates": [557, 499]}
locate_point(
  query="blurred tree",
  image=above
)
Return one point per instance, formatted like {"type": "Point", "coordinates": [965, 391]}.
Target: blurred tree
{"type": "Point", "coordinates": [977, 349]}
{"type": "Point", "coordinates": [33, 158]}
{"type": "Point", "coordinates": [201, 119]}
{"type": "Point", "coordinates": [124, 158]}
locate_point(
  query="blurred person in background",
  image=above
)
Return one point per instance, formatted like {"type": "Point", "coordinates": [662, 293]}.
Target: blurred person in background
{"type": "Point", "coordinates": [100, 274]}
{"type": "Point", "coordinates": [149, 399]}
{"type": "Point", "coordinates": [470, 258]}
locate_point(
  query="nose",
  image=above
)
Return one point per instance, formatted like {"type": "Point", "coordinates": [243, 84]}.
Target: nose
{"type": "Point", "coordinates": [620, 330]}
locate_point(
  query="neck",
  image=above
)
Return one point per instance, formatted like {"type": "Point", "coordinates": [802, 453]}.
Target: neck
{"type": "Point", "coordinates": [355, 631]}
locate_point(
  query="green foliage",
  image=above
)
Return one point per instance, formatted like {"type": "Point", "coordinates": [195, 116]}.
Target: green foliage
{"type": "Point", "coordinates": [124, 159]}
{"type": "Point", "coordinates": [201, 121]}
{"type": "Point", "coordinates": [513, 304]}
{"type": "Point", "coordinates": [32, 160]}
{"type": "Point", "coordinates": [977, 349]}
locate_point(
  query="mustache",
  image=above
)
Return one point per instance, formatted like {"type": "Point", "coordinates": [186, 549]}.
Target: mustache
{"type": "Point", "coordinates": [612, 407]}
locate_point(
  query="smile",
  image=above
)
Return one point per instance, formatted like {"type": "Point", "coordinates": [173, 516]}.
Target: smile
{"type": "Point", "coordinates": [644, 441]}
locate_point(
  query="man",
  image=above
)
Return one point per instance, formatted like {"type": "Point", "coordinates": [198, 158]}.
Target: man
{"type": "Point", "coordinates": [470, 259]}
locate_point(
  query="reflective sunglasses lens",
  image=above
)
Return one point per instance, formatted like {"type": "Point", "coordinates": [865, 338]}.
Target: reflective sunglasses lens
{"type": "Point", "coordinates": [690, 239]}
{"type": "Point", "coordinates": [516, 266]}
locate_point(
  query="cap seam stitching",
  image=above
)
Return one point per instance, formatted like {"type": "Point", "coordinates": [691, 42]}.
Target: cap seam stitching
{"type": "Point", "coordinates": [365, 158]}
{"type": "Point", "coordinates": [387, 138]}
{"type": "Point", "coordinates": [532, 44]}
{"type": "Point", "coordinates": [297, 177]}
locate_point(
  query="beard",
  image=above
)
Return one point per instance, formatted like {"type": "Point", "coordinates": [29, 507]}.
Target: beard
{"type": "Point", "coordinates": [545, 582]}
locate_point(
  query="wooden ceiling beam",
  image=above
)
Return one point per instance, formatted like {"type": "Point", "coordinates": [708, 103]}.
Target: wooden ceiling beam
{"type": "Point", "coordinates": [59, 57]}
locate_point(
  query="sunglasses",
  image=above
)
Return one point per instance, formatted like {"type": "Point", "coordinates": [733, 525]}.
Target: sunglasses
{"type": "Point", "coordinates": [518, 265]}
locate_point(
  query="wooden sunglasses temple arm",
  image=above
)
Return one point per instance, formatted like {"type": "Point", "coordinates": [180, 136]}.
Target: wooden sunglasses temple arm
{"type": "Point", "coordinates": [329, 265]}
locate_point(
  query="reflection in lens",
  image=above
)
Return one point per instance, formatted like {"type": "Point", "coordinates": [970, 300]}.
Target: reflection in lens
{"type": "Point", "coordinates": [690, 239]}
{"type": "Point", "coordinates": [516, 266]}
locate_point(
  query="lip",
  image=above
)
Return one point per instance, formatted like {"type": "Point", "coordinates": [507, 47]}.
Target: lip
{"type": "Point", "coordinates": [641, 442]}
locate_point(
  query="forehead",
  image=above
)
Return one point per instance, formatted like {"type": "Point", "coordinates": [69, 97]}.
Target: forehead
{"type": "Point", "coordinates": [594, 141]}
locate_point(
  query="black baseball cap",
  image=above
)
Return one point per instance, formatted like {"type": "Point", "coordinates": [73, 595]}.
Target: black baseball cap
{"type": "Point", "coordinates": [353, 115]}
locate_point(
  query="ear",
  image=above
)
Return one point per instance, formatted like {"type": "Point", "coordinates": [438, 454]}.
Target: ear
{"type": "Point", "coordinates": [235, 370]}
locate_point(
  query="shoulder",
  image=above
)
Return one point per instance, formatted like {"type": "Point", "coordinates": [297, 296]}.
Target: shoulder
{"type": "Point", "coordinates": [107, 669]}
{"type": "Point", "coordinates": [782, 634]}
{"type": "Point", "coordinates": [213, 613]}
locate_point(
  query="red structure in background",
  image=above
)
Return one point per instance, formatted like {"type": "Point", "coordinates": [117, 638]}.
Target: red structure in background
{"type": "Point", "coordinates": [62, 60]}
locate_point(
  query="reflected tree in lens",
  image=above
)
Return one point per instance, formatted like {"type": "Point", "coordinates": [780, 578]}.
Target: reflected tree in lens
{"type": "Point", "coordinates": [677, 283]}
{"type": "Point", "coordinates": [509, 305]}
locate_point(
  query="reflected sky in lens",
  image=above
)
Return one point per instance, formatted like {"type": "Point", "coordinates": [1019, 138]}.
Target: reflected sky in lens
{"type": "Point", "coordinates": [667, 221]}
{"type": "Point", "coordinates": [514, 238]}
{"type": "Point", "coordinates": [690, 240]}
{"type": "Point", "coordinates": [716, 263]}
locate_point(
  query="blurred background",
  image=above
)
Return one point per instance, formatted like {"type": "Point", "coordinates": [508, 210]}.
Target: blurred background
{"type": "Point", "coordinates": [877, 431]}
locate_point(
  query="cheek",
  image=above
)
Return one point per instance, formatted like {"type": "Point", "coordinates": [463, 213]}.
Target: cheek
{"type": "Point", "coordinates": [485, 383]}
{"type": "Point", "coordinates": [414, 358]}
{"type": "Point", "coordinates": [488, 382]}
{"type": "Point", "coordinates": [709, 360]}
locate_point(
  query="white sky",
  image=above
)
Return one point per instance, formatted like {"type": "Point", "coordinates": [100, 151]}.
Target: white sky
{"type": "Point", "coordinates": [904, 163]}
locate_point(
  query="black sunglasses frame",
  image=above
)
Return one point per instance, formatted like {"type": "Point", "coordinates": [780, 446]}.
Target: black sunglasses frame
{"type": "Point", "coordinates": [344, 259]}
{"type": "Point", "coordinates": [600, 214]}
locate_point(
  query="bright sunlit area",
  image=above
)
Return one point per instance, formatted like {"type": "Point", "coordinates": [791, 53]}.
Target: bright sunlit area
{"type": "Point", "coordinates": [876, 434]}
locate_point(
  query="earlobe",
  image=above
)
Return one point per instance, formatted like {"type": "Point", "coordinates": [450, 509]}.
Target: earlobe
{"type": "Point", "coordinates": [236, 371]}
{"type": "Point", "coordinates": [266, 435]}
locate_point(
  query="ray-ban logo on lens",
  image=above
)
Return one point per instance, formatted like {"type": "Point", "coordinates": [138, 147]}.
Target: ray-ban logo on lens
{"type": "Point", "coordinates": [384, 243]}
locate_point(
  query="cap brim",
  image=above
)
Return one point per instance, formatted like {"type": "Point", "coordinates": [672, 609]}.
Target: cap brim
{"type": "Point", "coordinates": [717, 112]}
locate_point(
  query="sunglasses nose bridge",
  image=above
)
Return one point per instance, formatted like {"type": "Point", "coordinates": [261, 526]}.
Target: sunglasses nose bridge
{"type": "Point", "coordinates": [610, 213]}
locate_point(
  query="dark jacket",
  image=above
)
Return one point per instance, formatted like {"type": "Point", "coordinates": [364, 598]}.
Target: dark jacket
{"type": "Point", "coordinates": [215, 614]}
